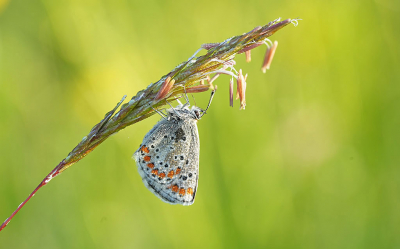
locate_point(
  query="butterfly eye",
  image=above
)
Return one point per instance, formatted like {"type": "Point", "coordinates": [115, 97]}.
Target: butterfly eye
{"type": "Point", "coordinates": [197, 114]}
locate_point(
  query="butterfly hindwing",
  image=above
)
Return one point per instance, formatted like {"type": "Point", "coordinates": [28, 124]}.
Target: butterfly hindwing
{"type": "Point", "coordinates": [168, 160]}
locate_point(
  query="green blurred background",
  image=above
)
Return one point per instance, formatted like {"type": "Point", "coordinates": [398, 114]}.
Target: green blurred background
{"type": "Point", "coordinates": [313, 161]}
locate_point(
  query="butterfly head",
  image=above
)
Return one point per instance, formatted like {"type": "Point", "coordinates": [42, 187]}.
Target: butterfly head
{"type": "Point", "coordinates": [195, 112]}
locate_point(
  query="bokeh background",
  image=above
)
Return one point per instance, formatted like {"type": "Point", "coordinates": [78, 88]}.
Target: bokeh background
{"type": "Point", "coordinates": [313, 161]}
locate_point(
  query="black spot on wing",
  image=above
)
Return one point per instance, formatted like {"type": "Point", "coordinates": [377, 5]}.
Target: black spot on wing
{"type": "Point", "coordinates": [179, 135]}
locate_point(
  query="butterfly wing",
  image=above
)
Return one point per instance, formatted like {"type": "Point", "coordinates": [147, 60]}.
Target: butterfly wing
{"type": "Point", "coordinates": [168, 160]}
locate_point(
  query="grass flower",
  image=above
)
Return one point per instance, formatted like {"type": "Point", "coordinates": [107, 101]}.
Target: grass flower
{"type": "Point", "coordinates": [269, 55]}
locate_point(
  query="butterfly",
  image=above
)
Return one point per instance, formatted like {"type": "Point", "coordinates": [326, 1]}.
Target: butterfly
{"type": "Point", "coordinates": [168, 158]}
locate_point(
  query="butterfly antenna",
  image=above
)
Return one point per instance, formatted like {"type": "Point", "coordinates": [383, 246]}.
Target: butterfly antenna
{"type": "Point", "coordinates": [209, 102]}
{"type": "Point", "coordinates": [194, 100]}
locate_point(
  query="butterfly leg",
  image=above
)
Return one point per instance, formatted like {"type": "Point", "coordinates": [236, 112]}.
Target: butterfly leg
{"type": "Point", "coordinates": [186, 97]}
{"type": "Point", "coordinates": [173, 109]}
{"type": "Point", "coordinates": [160, 113]}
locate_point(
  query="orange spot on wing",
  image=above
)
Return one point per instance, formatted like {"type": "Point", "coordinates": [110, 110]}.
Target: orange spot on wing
{"type": "Point", "coordinates": [182, 191]}
{"type": "Point", "coordinates": [154, 171]}
{"type": "Point", "coordinates": [190, 191]}
{"type": "Point", "coordinates": [171, 174]}
{"type": "Point", "coordinates": [150, 165]}
{"type": "Point", "coordinates": [147, 158]}
{"type": "Point", "coordinates": [175, 188]}
{"type": "Point", "coordinates": [162, 175]}
{"type": "Point", "coordinates": [178, 170]}
{"type": "Point", "coordinates": [145, 149]}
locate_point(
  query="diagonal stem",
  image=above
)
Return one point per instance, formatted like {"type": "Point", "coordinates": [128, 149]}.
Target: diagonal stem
{"type": "Point", "coordinates": [46, 180]}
